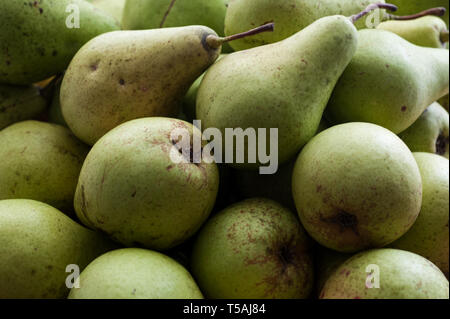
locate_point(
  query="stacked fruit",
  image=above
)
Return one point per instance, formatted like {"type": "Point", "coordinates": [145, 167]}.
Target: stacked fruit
{"type": "Point", "coordinates": [108, 191]}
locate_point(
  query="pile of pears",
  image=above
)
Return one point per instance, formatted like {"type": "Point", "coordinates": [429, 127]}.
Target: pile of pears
{"type": "Point", "coordinates": [99, 201]}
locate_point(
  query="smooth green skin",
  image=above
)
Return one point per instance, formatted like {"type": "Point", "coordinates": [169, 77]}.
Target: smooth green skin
{"type": "Point", "coordinates": [429, 235]}
{"type": "Point", "coordinates": [285, 85]}
{"type": "Point", "coordinates": [406, 7]}
{"type": "Point", "coordinates": [130, 189]}
{"type": "Point", "coordinates": [289, 16]}
{"type": "Point", "coordinates": [390, 83]}
{"type": "Point", "coordinates": [326, 263]}
{"type": "Point", "coordinates": [134, 273]}
{"type": "Point", "coordinates": [356, 186]}
{"type": "Point", "coordinates": [19, 103]}
{"type": "Point", "coordinates": [403, 275]}
{"type": "Point", "coordinates": [40, 161]}
{"type": "Point", "coordinates": [113, 7]}
{"type": "Point", "coordinates": [125, 75]}
{"type": "Point", "coordinates": [38, 45]}
{"type": "Point", "coordinates": [255, 249]}
{"type": "Point", "coordinates": [55, 113]}
{"type": "Point", "coordinates": [425, 31]}
{"type": "Point", "coordinates": [430, 133]}
{"type": "Point", "coordinates": [38, 243]}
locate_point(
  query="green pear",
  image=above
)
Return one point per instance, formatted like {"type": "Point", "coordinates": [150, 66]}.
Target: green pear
{"type": "Point", "coordinates": [255, 249]}
{"type": "Point", "coordinates": [289, 16]}
{"type": "Point", "coordinates": [326, 263]}
{"type": "Point", "coordinates": [400, 275]}
{"type": "Point", "coordinates": [134, 273]}
{"type": "Point", "coordinates": [113, 7]}
{"type": "Point", "coordinates": [429, 235]}
{"type": "Point", "coordinates": [428, 31]}
{"type": "Point", "coordinates": [413, 6]}
{"type": "Point", "coordinates": [125, 75]}
{"type": "Point", "coordinates": [38, 242]}
{"type": "Point", "coordinates": [39, 38]}
{"type": "Point", "coordinates": [390, 83]}
{"type": "Point", "coordinates": [40, 161]}
{"type": "Point", "coordinates": [132, 188]}
{"type": "Point", "coordinates": [285, 85]}
{"type": "Point", "coordinates": [430, 133]}
{"type": "Point", "coordinates": [19, 103]}
{"type": "Point", "coordinates": [356, 186]}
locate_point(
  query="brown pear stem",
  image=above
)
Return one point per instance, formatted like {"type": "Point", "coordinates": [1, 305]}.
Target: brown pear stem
{"type": "Point", "coordinates": [439, 12]}
{"type": "Point", "coordinates": [444, 36]}
{"type": "Point", "coordinates": [372, 7]}
{"type": "Point", "coordinates": [215, 41]}
{"type": "Point", "coordinates": [47, 91]}
{"type": "Point", "coordinates": [167, 13]}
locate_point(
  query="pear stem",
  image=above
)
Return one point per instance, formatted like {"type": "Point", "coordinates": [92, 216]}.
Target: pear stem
{"type": "Point", "coordinates": [372, 7]}
{"type": "Point", "coordinates": [47, 91]}
{"type": "Point", "coordinates": [444, 36]}
{"type": "Point", "coordinates": [167, 13]}
{"type": "Point", "coordinates": [215, 41]}
{"type": "Point", "coordinates": [439, 12]}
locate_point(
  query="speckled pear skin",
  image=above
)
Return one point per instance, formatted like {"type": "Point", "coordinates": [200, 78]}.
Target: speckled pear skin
{"type": "Point", "coordinates": [414, 6]}
{"type": "Point", "coordinates": [289, 16]}
{"type": "Point", "coordinates": [285, 85]}
{"type": "Point", "coordinates": [130, 188]}
{"type": "Point", "coordinates": [389, 84]}
{"type": "Point", "coordinates": [38, 242]}
{"type": "Point", "coordinates": [36, 44]}
{"type": "Point", "coordinates": [125, 75]}
{"type": "Point", "coordinates": [430, 133]}
{"type": "Point", "coordinates": [403, 275]}
{"type": "Point", "coordinates": [429, 235]}
{"type": "Point", "coordinates": [134, 273]}
{"type": "Point", "coordinates": [425, 31]}
{"type": "Point", "coordinates": [40, 161]}
{"type": "Point", "coordinates": [254, 249]}
{"type": "Point", "coordinates": [356, 186]}
{"type": "Point", "coordinates": [19, 103]}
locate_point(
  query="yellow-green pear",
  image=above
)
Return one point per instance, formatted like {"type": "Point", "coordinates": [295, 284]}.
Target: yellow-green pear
{"type": "Point", "coordinates": [38, 243]}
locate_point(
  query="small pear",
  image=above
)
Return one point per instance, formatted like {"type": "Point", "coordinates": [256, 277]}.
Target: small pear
{"type": "Point", "coordinates": [429, 236]}
{"type": "Point", "coordinates": [389, 84]}
{"type": "Point", "coordinates": [134, 273]}
{"type": "Point", "coordinates": [40, 161]}
{"type": "Point", "coordinates": [430, 133]}
{"type": "Point", "coordinates": [20, 103]}
{"type": "Point", "coordinates": [38, 243]}
{"type": "Point", "coordinates": [39, 38]}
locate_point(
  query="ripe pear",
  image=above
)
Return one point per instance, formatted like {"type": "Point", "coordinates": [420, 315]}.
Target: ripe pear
{"type": "Point", "coordinates": [38, 242]}
{"type": "Point", "coordinates": [284, 85]}
{"type": "Point", "coordinates": [429, 235]}
{"type": "Point", "coordinates": [19, 103]}
{"type": "Point", "coordinates": [413, 6]}
{"type": "Point", "coordinates": [428, 31]}
{"type": "Point", "coordinates": [356, 186]}
{"type": "Point", "coordinates": [289, 16]}
{"type": "Point", "coordinates": [131, 188]}
{"type": "Point", "coordinates": [255, 249]}
{"type": "Point", "coordinates": [125, 75]}
{"type": "Point", "coordinates": [389, 84]}
{"type": "Point", "coordinates": [401, 274]}
{"type": "Point", "coordinates": [39, 38]}
{"type": "Point", "coordinates": [430, 133]}
{"type": "Point", "coordinates": [113, 7]}
{"type": "Point", "coordinates": [134, 273]}
{"type": "Point", "coordinates": [40, 161]}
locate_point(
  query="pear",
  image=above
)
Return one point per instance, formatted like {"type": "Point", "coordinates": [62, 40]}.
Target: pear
{"type": "Point", "coordinates": [38, 242]}
{"type": "Point", "coordinates": [40, 161]}
{"type": "Point", "coordinates": [113, 7]}
{"type": "Point", "coordinates": [389, 84]}
{"type": "Point", "coordinates": [356, 186]}
{"type": "Point", "coordinates": [285, 85]}
{"type": "Point", "coordinates": [289, 16]}
{"type": "Point", "coordinates": [19, 103]}
{"type": "Point", "coordinates": [401, 275]}
{"type": "Point", "coordinates": [429, 235]}
{"type": "Point", "coordinates": [414, 6]}
{"type": "Point", "coordinates": [428, 31]}
{"type": "Point", "coordinates": [255, 249]}
{"type": "Point", "coordinates": [133, 189]}
{"type": "Point", "coordinates": [134, 273]}
{"type": "Point", "coordinates": [39, 38]}
{"type": "Point", "coordinates": [125, 75]}
{"type": "Point", "coordinates": [430, 133]}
